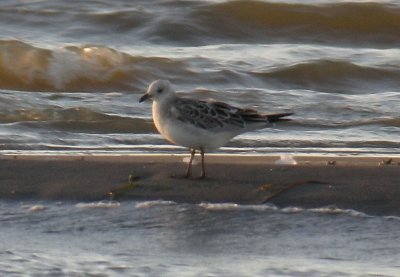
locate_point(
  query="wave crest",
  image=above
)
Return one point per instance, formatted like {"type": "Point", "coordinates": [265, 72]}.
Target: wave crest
{"type": "Point", "coordinates": [332, 75]}
{"type": "Point", "coordinates": [72, 68]}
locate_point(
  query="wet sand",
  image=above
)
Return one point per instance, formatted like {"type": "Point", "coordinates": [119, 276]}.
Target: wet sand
{"type": "Point", "coordinates": [365, 184]}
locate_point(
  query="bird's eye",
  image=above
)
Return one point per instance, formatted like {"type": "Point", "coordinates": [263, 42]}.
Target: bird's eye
{"type": "Point", "coordinates": [159, 90]}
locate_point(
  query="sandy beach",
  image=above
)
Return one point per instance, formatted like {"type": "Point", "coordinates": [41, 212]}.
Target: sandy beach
{"type": "Point", "coordinates": [366, 184]}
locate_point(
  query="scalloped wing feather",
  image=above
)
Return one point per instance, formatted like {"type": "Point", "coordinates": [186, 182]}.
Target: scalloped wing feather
{"type": "Point", "coordinates": [210, 115]}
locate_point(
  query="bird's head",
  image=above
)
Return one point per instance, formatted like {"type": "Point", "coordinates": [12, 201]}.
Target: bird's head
{"type": "Point", "coordinates": [158, 91]}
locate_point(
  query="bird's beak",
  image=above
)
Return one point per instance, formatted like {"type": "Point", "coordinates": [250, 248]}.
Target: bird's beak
{"type": "Point", "coordinates": [144, 97]}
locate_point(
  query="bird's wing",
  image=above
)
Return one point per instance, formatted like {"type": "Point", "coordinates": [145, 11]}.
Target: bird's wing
{"type": "Point", "coordinates": [210, 115]}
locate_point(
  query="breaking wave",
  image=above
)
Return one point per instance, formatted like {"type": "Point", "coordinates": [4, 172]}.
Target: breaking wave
{"type": "Point", "coordinates": [26, 67]}
{"type": "Point", "coordinates": [75, 68]}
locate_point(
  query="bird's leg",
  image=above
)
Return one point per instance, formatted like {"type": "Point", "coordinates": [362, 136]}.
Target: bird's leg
{"type": "Point", "coordinates": [188, 169]}
{"type": "Point", "coordinates": [203, 169]}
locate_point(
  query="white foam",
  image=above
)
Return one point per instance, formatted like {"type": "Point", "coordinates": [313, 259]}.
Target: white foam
{"type": "Point", "coordinates": [333, 210]}
{"type": "Point", "coordinates": [93, 63]}
{"type": "Point", "coordinates": [149, 204]}
{"type": "Point", "coordinates": [99, 205]}
{"type": "Point", "coordinates": [286, 160]}
{"type": "Point", "coordinates": [336, 210]}
{"type": "Point", "coordinates": [292, 210]}
{"type": "Point", "coordinates": [325, 210]}
{"type": "Point", "coordinates": [234, 206]}
{"type": "Point", "coordinates": [37, 208]}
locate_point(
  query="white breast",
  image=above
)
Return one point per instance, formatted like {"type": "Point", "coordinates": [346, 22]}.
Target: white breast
{"type": "Point", "coordinates": [186, 134]}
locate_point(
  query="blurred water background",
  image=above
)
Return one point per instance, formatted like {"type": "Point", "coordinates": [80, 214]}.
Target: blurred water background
{"type": "Point", "coordinates": [72, 72]}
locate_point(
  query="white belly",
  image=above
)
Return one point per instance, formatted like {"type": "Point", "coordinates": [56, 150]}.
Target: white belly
{"type": "Point", "coordinates": [188, 135]}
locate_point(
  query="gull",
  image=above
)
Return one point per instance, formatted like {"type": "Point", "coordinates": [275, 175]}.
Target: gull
{"type": "Point", "coordinates": [201, 125]}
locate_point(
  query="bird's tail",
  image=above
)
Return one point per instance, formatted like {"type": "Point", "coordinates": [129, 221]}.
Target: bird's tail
{"type": "Point", "coordinates": [278, 117]}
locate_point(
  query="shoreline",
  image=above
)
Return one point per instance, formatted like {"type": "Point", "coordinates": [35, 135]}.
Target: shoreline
{"type": "Point", "coordinates": [366, 184]}
{"type": "Point", "coordinates": [213, 158]}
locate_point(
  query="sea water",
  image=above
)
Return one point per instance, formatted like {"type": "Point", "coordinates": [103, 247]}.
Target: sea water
{"type": "Point", "coordinates": [71, 75]}
{"type": "Point", "coordinates": [163, 238]}
{"type": "Point", "coordinates": [72, 72]}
